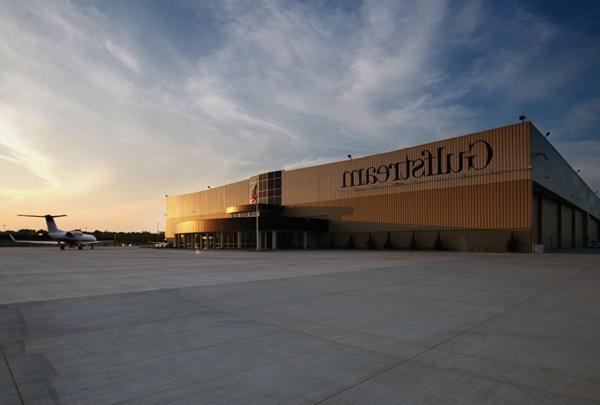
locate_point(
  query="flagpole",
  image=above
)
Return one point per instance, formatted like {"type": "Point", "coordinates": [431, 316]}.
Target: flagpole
{"type": "Point", "coordinates": [257, 238]}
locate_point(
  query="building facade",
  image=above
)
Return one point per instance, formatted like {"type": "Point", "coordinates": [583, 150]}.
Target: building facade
{"type": "Point", "coordinates": [496, 190]}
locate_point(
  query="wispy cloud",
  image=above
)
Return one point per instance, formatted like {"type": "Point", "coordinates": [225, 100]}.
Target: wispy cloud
{"type": "Point", "coordinates": [26, 156]}
{"type": "Point", "coordinates": [122, 55]}
{"type": "Point", "coordinates": [111, 109]}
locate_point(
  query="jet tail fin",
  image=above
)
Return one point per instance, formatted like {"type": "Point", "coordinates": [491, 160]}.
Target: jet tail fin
{"type": "Point", "coordinates": [49, 220]}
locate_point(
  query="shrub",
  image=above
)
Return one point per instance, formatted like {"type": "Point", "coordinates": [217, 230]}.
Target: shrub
{"type": "Point", "coordinates": [388, 244]}
{"type": "Point", "coordinates": [350, 243]}
{"type": "Point", "coordinates": [438, 244]}
{"type": "Point", "coordinates": [371, 243]}
{"type": "Point", "coordinates": [513, 243]}
{"type": "Point", "coordinates": [413, 242]}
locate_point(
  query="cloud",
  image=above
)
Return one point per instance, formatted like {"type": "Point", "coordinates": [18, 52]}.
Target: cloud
{"type": "Point", "coordinates": [583, 155]}
{"type": "Point", "coordinates": [19, 152]}
{"type": "Point", "coordinates": [110, 108]}
{"type": "Point", "coordinates": [525, 58]}
{"type": "Point", "coordinates": [122, 55]}
{"type": "Point", "coordinates": [582, 117]}
{"type": "Point", "coordinates": [312, 76]}
{"type": "Point", "coordinates": [309, 161]}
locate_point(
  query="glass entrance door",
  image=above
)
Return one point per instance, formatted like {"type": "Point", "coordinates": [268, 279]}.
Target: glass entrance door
{"type": "Point", "coordinates": [266, 241]}
{"type": "Point", "coordinates": [208, 241]}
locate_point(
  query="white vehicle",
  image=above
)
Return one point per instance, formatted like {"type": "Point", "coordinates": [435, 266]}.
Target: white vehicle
{"type": "Point", "coordinates": [61, 238]}
{"type": "Point", "coordinates": [159, 244]}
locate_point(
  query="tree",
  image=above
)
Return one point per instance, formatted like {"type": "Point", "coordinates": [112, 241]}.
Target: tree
{"type": "Point", "coordinates": [438, 244]}
{"type": "Point", "coordinates": [413, 242]}
{"type": "Point", "coordinates": [26, 231]}
{"type": "Point", "coordinates": [371, 243]}
{"type": "Point", "coordinates": [388, 244]}
{"type": "Point", "coordinates": [350, 243]}
{"type": "Point", "coordinates": [513, 243]}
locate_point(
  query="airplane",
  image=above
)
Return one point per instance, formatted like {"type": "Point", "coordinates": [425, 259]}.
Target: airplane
{"type": "Point", "coordinates": [71, 238]}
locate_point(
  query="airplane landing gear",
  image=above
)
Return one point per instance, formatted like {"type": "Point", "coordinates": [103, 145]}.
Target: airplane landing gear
{"type": "Point", "coordinates": [80, 247]}
{"type": "Point", "coordinates": [62, 246]}
{"type": "Point", "coordinates": [92, 247]}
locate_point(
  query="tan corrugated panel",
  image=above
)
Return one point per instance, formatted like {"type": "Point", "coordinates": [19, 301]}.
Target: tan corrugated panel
{"type": "Point", "coordinates": [511, 161]}
{"type": "Point", "coordinates": [497, 196]}
{"type": "Point", "coordinates": [205, 204]}
{"type": "Point", "coordinates": [505, 205]}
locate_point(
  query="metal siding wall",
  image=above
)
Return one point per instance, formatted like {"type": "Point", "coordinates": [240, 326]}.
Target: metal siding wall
{"type": "Point", "coordinates": [534, 218]}
{"type": "Point", "coordinates": [578, 228]}
{"type": "Point", "coordinates": [324, 183]}
{"type": "Point", "coordinates": [549, 223]}
{"type": "Point", "coordinates": [183, 210]}
{"type": "Point", "coordinates": [504, 205]}
{"type": "Point", "coordinates": [498, 197]}
{"type": "Point", "coordinates": [594, 230]}
{"type": "Point", "coordinates": [567, 227]}
{"type": "Point", "coordinates": [553, 172]}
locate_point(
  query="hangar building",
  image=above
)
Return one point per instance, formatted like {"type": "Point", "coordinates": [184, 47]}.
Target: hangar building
{"type": "Point", "coordinates": [501, 189]}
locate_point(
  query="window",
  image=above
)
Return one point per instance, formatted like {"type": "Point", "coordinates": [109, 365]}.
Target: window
{"type": "Point", "coordinates": [269, 187]}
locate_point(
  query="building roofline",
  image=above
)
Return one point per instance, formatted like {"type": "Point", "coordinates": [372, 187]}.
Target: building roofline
{"type": "Point", "coordinates": [370, 155]}
{"type": "Point", "coordinates": [564, 160]}
{"type": "Point", "coordinates": [413, 146]}
{"type": "Point", "coordinates": [207, 190]}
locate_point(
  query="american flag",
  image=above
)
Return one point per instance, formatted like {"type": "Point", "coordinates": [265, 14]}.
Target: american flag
{"type": "Point", "coordinates": [254, 194]}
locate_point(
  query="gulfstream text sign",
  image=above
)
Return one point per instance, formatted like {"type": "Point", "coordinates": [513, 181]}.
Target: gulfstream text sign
{"type": "Point", "coordinates": [478, 156]}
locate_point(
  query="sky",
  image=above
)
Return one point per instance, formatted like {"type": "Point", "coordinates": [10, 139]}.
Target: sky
{"type": "Point", "coordinates": [106, 106]}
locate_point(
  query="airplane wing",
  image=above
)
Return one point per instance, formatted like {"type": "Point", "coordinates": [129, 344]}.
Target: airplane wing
{"type": "Point", "coordinates": [37, 242]}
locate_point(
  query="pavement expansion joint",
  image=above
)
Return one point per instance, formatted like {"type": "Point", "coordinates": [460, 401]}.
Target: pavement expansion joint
{"type": "Point", "coordinates": [12, 376]}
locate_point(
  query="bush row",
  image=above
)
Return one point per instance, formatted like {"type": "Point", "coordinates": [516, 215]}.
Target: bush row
{"type": "Point", "coordinates": [512, 245]}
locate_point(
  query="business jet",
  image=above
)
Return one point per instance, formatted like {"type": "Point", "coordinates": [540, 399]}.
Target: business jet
{"type": "Point", "coordinates": [61, 238]}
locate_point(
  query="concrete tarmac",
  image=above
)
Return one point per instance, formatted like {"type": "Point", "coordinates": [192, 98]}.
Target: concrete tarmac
{"type": "Point", "coordinates": [130, 325]}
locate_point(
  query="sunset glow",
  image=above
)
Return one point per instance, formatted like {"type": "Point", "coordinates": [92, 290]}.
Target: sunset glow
{"type": "Point", "coordinates": [105, 107]}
